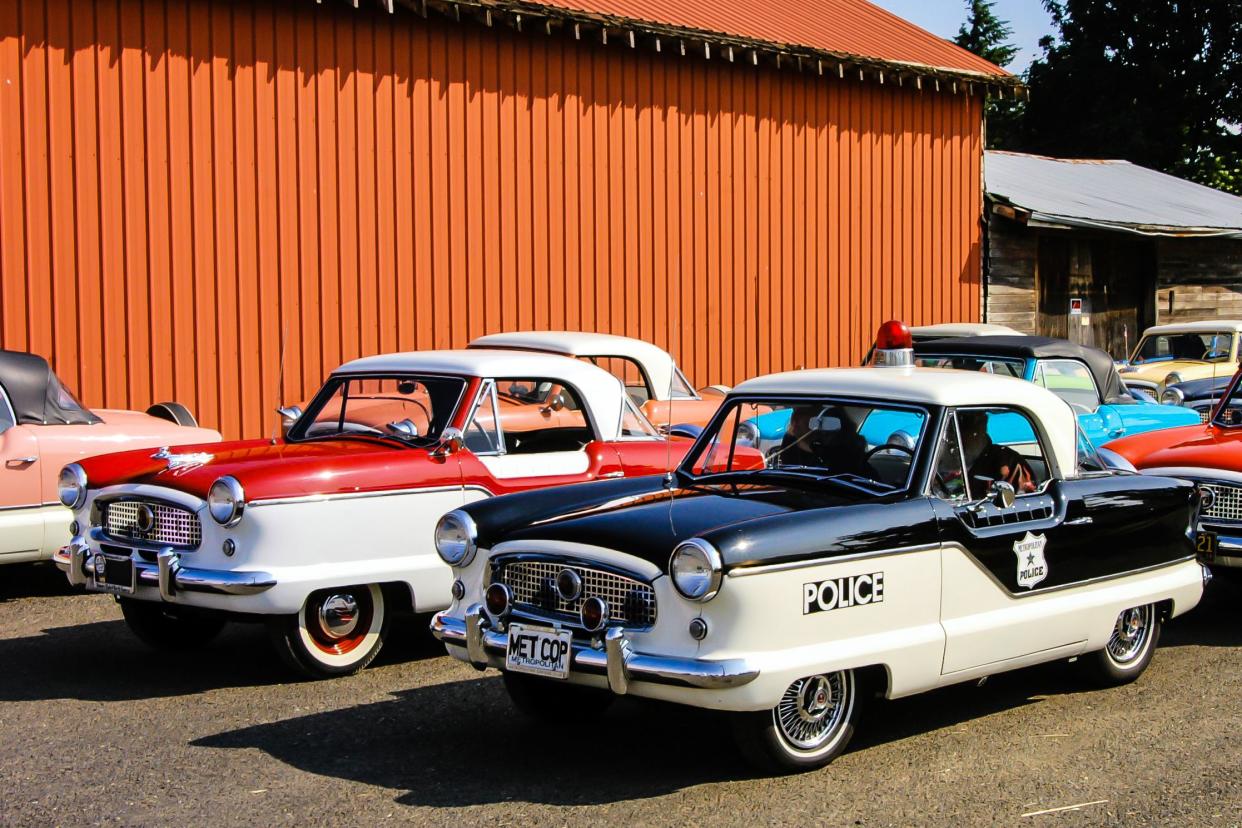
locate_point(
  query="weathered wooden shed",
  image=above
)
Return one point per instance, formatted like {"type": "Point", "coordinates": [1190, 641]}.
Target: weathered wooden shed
{"type": "Point", "coordinates": [193, 192]}
{"type": "Point", "coordinates": [1096, 251]}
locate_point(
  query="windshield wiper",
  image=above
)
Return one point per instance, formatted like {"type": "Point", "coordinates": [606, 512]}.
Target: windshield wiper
{"type": "Point", "coordinates": [357, 435]}
{"type": "Point", "coordinates": [800, 474]}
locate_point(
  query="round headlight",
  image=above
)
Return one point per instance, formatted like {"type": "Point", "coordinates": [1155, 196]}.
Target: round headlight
{"type": "Point", "coordinates": [226, 501]}
{"type": "Point", "coordinates": [696, 569]}
{"type": "Point", "coordinates": [71, 486]}
{"type": "Point", "coordinates": [456, 537]}
{"type": "Point", "coordinates": [1172, 378]}
{"type": "Point", "coordinates": [748, 434]}
{"type": "Point", "coordinates": [1172, 396]}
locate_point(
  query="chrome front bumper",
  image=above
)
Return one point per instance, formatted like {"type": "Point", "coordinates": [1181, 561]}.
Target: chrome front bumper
{"type": "Point", "coordinates": [77, 562]}
{"type": "Point", "coordinates": [487, 647]}
{"type": "Point", "coordinates": [1230, 554]}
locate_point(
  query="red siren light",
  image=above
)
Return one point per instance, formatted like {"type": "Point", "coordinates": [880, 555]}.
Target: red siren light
{"type": "Point", "coordinates": [893, 336]}
{"type": "Point", "coordinates": [894, 345]}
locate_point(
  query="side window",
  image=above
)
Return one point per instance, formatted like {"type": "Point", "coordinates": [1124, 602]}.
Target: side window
{"type": "Point", "coordinates": [1071, 381]}
{"type": "Point", "coordinates": [7, 420]}
{"type": "Point", "coordinates": [1000, 444]}
{"type": "Point", "coordinates": [949, 480]}
{"type": "Point", "coordinates": [634, 426]}
{"type": "Point", "coordinates": [628, 372]}
{"type": "Point", "coordinates": [483, 432]}
{"type": "Point", "coordinates": [540, 415]}
{"type": "Point", "coordinates": [1089, 461]}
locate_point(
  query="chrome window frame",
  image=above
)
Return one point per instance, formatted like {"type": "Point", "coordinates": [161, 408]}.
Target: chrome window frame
{"type": "Point", "coordinates": [488, 388]}
{"type": "Point", "coordinates": [1039, 368]}
{"type": "Point", "coordinates": [949, 420]}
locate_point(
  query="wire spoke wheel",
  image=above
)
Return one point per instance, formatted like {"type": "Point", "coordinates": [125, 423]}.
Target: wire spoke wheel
{"type": "Point", "coordinates": [1130, 634]}
{"type": "Point", "coordinates": [813, 711]}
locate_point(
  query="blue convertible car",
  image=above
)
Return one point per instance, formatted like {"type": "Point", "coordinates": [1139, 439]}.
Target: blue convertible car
{"type": "Point", "coordinates": [1086, 378]}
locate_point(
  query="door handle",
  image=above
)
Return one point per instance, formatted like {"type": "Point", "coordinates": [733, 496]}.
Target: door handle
{"type": "Point", "coordinates": [612, 474]}
{"type": "Point", "coordinates": [21, 461]}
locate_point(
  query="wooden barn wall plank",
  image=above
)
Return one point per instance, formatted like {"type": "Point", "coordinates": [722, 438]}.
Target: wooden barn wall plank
{"type": "Point", "coordinates": [195, 194]}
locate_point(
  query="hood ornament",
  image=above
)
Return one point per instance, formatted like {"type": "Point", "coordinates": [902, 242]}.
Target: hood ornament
{"type": "Point", "coordinates": [180, 463]}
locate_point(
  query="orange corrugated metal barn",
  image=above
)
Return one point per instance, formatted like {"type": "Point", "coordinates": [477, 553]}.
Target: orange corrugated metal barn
{"type": "Point", "coordinates": [193, 193]}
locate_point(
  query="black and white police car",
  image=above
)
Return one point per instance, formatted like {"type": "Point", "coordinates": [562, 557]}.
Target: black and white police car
{"type": "Point", "coordinates": [869, 551]}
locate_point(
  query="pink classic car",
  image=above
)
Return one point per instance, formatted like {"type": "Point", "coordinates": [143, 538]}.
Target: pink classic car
{"type": "Point", "coordinates": [42, 428]}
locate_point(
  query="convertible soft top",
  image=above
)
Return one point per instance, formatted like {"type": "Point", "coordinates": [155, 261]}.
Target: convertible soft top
{"type": "Point", "coordinates": [37, 395]}
{"type": "Point", "coordinates": [1032, 347]}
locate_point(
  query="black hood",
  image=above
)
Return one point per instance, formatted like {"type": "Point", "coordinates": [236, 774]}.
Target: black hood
{"type": "Point", "coordinates": [37, 395]}
{"type": "Point", "coordinates": [749, 525]}
{"type": "Point", "coordinates": [1202, 389]}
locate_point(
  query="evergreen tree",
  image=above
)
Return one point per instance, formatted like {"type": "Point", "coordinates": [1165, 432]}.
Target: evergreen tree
{"type": "Point", "coordinates": [988, 36]}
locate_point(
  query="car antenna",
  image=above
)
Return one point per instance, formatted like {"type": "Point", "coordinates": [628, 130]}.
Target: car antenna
{"type": "Point", "coordinates": [280, 377]}
{"type": "Point", "coordinates": [668, 455]}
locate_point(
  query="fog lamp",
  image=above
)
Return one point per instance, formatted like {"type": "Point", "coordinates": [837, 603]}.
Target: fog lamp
{"type": "Point", "coordinates": [594, 613]}
{"type": "Point", "coordinates": [496, 600]}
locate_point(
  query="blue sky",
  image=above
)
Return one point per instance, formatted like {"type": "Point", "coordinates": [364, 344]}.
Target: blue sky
{"type": "Point", "coordinates": [943, 17]}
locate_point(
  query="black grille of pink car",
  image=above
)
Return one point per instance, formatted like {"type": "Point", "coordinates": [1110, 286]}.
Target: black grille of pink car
{"type": "Point", "coordinates": [171, 525]}
{"type": "Point", "coordinates": [532, 585]}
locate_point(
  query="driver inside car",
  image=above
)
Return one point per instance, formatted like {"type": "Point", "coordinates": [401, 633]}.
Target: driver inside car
{"type": "Point", "coordinates": [988, 461]}
{"type": "Point", "coordinates": [823, 438]}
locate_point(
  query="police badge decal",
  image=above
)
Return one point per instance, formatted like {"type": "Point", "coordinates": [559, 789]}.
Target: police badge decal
{"type": "Point", "coordinates": [1032, 567]}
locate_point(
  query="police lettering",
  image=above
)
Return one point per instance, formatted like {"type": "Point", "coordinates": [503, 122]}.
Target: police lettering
{"type": "Point", "coordinates": [840, 593]}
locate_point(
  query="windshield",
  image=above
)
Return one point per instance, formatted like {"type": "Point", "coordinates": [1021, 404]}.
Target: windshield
{"type": "Point", "coordinates": [980, 364]}
{"type": "Point", "coordinates": [866, 446]}
{"type": "Point", "coordinates": [402, 407]}
{"type": "Point", "coordinates": [1197, 347]}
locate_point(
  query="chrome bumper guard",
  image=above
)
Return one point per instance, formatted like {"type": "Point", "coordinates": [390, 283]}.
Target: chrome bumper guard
{"type": "Point", "coordinates": [1230, 554]}
{"type": "Point", "coordinates": [76, 561]}
{"type": "Point", "coordinates": [486, 647]}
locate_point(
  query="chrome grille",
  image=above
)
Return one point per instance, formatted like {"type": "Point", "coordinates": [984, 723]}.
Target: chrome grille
{"type": "Point", "coordinates": [1228, 503]}
{"type": "Point", "coordinates": [1205, 414]}
{"type": "Point", "coordinates": [533, 585]}
{"type": "Point", "coordinates": [173, 525]}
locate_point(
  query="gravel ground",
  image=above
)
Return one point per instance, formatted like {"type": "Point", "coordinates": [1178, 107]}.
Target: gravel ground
{"type": "Point", "coordinates": [100, 730]}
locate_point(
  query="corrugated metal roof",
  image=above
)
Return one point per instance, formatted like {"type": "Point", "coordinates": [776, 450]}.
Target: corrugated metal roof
{"type": "Point", "coordinates": [850, 27]}
{"type": "Point", "coordinates": [1110, 195]}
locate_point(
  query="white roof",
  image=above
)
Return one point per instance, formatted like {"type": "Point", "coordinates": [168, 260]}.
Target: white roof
{"type": "Point", "coordinates": [656, 363]}
{"type": "Point", "coordinates": [1204, 326]}
{"type": "Point", "coordinates": [933, 386]}
{"type": "Point", "coordinates": [953, 330]}
{"type": "Point", "coordinates": [601, 392]}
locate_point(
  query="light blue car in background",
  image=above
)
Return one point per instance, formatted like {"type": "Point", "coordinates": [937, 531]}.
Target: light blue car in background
{"type": "Point", "coordinates": [1086, 378]}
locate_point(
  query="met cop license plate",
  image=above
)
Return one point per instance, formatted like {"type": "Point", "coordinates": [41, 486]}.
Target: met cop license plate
{"type": "Point", "coordinates": [539, 650]}
{"type": "Point", "coordinates": [1207, 544]}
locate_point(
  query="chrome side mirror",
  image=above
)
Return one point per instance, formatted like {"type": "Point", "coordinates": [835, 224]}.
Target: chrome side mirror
{"type": "Point", "coordinates": [289, 415]}
{"type": "Point", "coordinates": [555, 403]}
{"type": "Point", "coordinates": [451, 442]}
{"type": "Point", "coordinates": [1002, 494]}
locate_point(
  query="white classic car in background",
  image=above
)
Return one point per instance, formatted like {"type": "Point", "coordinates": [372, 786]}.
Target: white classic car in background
{"type": "Point", "coordinates": [651, 376]}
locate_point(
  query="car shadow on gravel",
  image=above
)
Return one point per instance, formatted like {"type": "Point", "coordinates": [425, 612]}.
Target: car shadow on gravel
{"type": "Point", "coordinates": [32, 580]}
{"type": "Point", "coordinates": [462, 743]}
{"type": "Point", "coordinates": [103, 661]}
{"type": "Point", "coordinates": [1214, 623]}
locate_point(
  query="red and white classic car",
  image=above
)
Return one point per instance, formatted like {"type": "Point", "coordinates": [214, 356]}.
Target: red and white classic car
{"type": "Point", "coordinates": [1211, 455]}
{"type": "Point", "coordinates": [43, 427]}
{"type": "Point", "coordinates": [327, 531]}
{"type": "Point", "coordinates": [651, 376]}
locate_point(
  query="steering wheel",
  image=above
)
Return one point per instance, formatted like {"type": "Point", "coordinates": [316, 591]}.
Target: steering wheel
{"type": "Point", "coordinates": [491, 446]}
{"type": "Point", "coordinates": [888, 447]}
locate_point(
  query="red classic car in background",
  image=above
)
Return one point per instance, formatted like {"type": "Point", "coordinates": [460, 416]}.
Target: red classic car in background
{"type": "Point", "coordinates": [43, 427]}
{"type": "Point", "coordinates": [328, 531]}
{"type": "Point", "coordinates": [1210, 455]}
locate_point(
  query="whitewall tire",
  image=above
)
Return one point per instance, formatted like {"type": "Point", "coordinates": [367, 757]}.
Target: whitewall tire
{"type": "Point", "coordinates": [338, 631]}
{"type": "Point", "coordinates": [1131, 645]}
{"type": "Point", "coordinates": [811, 726]}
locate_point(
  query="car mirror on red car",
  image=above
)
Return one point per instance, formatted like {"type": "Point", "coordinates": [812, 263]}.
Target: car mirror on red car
{"type": "Point", "coordinates": [450, 443]}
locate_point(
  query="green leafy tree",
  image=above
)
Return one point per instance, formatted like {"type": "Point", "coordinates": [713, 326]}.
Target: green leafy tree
{"type": "Point", "coordinates": [1156, 82]}
{"type": "Point", "coordinates": [989, 37]}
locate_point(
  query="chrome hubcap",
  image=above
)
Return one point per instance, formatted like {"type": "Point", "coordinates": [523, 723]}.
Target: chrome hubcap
{"type": "Point", "coordinates": [338, 615]}
{"type": "Point", "coordinates": [812, 710]}
{"type": "Point", "coordinates": [1130, 634]}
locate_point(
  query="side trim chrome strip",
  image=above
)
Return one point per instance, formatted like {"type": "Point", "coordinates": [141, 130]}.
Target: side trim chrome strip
{"type": "Point", "coordinates": [760, 569]}
{"type": "Point", "coordinates": [30, 506]}
{"type": "Point", "coordinates": [279, 501]}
